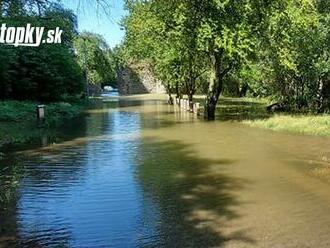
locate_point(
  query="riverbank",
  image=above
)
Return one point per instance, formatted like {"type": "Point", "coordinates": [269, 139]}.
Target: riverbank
{"type": "Point", "coordinates": [252, 112]}
{"type": "Point", "coordinates": [18, 119]}
{"type": "Point", "coordinates": [18, 122]}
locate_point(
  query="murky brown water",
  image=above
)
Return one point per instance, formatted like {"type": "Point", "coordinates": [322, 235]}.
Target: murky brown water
{"type": "Point", "coordinates": [141, 174]}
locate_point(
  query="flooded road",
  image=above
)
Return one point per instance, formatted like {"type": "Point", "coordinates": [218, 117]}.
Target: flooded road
{"type": "Point", "coordinates": [139, 173]}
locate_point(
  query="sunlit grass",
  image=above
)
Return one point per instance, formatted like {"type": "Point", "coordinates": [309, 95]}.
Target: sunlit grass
{"type": "Point", "coordinates": [301, 124]}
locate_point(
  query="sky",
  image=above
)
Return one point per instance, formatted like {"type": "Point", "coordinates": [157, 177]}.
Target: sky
{"type": "Point", "coordinates": [95, 20]}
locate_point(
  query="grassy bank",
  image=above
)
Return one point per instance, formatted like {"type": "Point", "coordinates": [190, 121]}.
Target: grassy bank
{"type": "Point", "coordinates": [252, 112]}
{"type": "Point", "coordinates": [300, 124]}
{"type": "Point", "coordinates": [18, 122]}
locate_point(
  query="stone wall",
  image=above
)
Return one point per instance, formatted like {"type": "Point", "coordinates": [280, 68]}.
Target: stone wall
{"type": "Point", "coordinates": [138, 79]}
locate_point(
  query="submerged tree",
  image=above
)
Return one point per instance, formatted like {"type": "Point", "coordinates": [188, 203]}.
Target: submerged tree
{"type": "Point", "coordinates": [163, 35]}
{"type": "Point", "coordinates": [188, 38]}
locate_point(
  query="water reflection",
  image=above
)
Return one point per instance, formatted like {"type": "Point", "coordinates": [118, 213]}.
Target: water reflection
{"type": "Point", "coordinates": [82, 191]}
{"type": "Point", "coordinates": [140, 173]}
{"type": "Point", "coordinates": [85, 195]}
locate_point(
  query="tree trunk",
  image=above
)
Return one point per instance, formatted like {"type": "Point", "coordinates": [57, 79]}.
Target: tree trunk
{"type": "Point", "coordinates": [170, 100]}
{"type": "Point", "coordinates": [244, 90]}
{"type": "Point", "coordinates": [169, 93]}
{"type": "Point", "coordinates": [190, 99]}
{"type": "Point", "coordinates": [215, 87]}
{"type": "Point", "coordinates": [177, 90]}
{"type": "Point", "coordinates": [191, 89]}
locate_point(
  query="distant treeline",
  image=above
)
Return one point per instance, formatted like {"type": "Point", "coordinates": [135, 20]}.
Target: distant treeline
{"type": "Point", "coordinates": [51, 72]}
{"type": "Point", "coordinates": [279, 49]}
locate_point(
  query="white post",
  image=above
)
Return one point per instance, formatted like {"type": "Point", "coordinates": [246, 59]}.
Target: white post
{"type": "Point", "coordinates": [196, 108]}
{"type": "Point", "coordinates": [40, 115]}
{"type": "Point", "coordinates": [41, 112]}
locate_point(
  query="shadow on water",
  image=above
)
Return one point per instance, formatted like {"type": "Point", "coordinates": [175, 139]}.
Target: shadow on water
{"type": "Point", "coordinates": [194, 196]}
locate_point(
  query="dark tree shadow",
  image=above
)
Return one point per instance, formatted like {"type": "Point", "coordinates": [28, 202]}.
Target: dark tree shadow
{"type": "Point", "coordinates": [240, 109]}
{"type": "Point", "coordinates": [193, 195]}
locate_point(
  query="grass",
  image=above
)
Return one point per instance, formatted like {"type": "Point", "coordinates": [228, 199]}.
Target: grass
{"type": "Point", "coordinates": [18, 122]}
{"type": "Point", "coordinates": [239, 109]}
{"type": "Point", "coordinates": [300, 124]}
{"type": "Point", "coordinates": [16, 111]}
{"type": "Point", "coordinates": [252, 112]}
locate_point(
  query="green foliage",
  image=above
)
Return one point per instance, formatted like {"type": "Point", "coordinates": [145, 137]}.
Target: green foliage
{"type": "Point", "coordinates": [96, 58]}
{"type": "Point", "coordinates": [22, 111]}
{"type": "Point", "coordinates": [185, 39]}
{"type": "Point", "coordinates": [18, 121]}
{"type": "Point", "coordinates": [44, 73]}
{"type": "Point", "coordinates": [14, 111]}
{"type": "Point", "coordinates": [296, 54]}
{"type": "Point", "coordinates": [9, 181]}
{"type": "Point", "coordinates": [258, 48]}
{"type": "Point", "coordinates": [164, 35]}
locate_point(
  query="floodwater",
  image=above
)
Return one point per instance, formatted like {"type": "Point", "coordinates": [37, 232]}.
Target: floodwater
{"type": "Point", "coordinates": [139, 173]}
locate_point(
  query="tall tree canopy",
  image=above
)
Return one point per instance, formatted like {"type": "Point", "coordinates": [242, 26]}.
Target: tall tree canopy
{"type": "Point", "coordinates": [52, 71]}
{"type": "Point", "coordinates": [95, 56]}
{"type": "Point", "coordinates": [44, 73]}
{"type": "Point", "coordinates": [278, 48]}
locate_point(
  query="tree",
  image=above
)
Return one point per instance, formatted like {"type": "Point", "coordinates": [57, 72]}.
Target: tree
{"type": "Point", "coordinates": [297, 54]}
{"type": "Point", "coordinates": [95, 56]}
{"type": "Point", "coordinates": [227, 33]}
{"type": "Point", "coordinates": [164, 35]}
{"type": "Point", "coordinates": [45, 73]}
{"type": "Point", "coordinates": [187, 38]}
